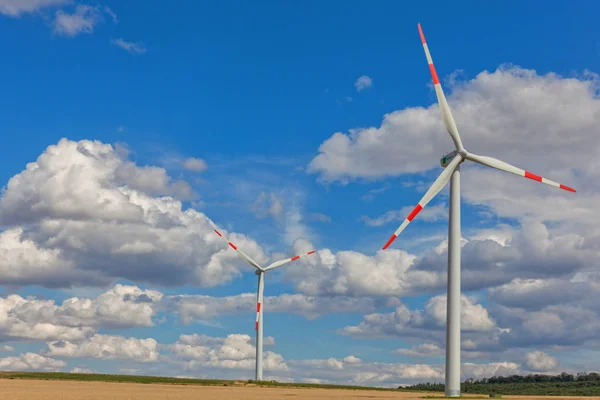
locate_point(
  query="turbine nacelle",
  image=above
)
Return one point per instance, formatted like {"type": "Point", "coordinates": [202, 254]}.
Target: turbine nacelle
{"type": "Point", "coordinates": [444, 161]}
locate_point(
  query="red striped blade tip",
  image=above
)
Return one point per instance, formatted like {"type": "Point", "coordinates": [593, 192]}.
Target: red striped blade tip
{"type": "Point", "coordinates": [568, 188]}
{"type": "Point", "coordinates": [256, 327]}
{"type": "Point", "coordinates": [295, 258]}
{"type": "Point", "coordinates": [421, 34]}
{"type": "Point", "coordinates": [232, 246]}
{"type": "Point", "coordinates": [392, 238]}
{"type": "Point", "coordinates": [217, 232]}
{"type": "Point", "coordinates": [312, 252]}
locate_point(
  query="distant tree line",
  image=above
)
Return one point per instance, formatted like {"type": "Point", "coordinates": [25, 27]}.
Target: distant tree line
{"type": "Point", "coordinates": [581, 384]}
{"type": "Point", "coordinates": [562, 377]}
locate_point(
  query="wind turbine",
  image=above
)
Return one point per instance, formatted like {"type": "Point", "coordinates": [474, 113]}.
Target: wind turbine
{"type": "Point", "coordinates": [451, 162]}
{"type": "Point", "coordinates": [260, 271]}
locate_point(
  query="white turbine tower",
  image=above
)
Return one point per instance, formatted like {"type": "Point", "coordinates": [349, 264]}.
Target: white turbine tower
{"type": "Point", "coordinates": [260, 271]}
{"type": "Point", "coordinates": [451, 162]}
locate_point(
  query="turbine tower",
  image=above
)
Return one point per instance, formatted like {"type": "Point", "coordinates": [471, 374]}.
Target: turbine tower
{"type": "Point", "coordinates": [451, 162]}
{"type": "Point", "coordinates": [260, 271]}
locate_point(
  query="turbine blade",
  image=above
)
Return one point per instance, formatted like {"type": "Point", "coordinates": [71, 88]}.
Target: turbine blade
{"type": "Point", "coordinates": [439, 183]}
{"type": "Point", "coordinates": [504, 166]}
{"type": "Point", "coordinates": [240, 252]}
{"type": "Point", "coordinates": [259, 298]}
{"type": "Point", "coordinates": [287, 260]}
{"type": "Point", "coordinates": [439, 92]}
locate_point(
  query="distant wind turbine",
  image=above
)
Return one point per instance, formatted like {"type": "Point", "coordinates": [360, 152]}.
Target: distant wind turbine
{"type": "Point", "coordinates": [260, 271]}
{"type": "Point", "coordinates": [451, 162]}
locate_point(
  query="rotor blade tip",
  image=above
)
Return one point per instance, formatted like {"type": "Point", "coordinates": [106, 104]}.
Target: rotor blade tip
{"type": "Point", "coordinates": [312, 252]}
{"type": "Point", "coordinates": [217, 232]}
{"type": "Point", "coordinates": [392, 238]}
{"type": "Point", "coordinates": [421, 34]}
{"type": "Point", "coordinates": [568, 188]}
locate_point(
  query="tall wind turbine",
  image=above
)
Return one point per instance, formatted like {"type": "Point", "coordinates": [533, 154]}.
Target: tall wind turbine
{"type": "Point", "coordinates": [451, 162]}
{"type": "Point", "coordinates": [260, 271]}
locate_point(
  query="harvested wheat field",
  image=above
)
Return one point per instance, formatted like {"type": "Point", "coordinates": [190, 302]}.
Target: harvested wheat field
{"type": "Point", "coordinates": [23, 389]}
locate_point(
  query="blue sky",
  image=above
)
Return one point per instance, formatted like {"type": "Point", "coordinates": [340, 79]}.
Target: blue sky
{"type": "Point", "coordinates": [296, 155]}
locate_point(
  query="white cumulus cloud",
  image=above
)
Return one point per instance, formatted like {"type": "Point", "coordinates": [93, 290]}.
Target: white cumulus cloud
{"type": "Point", "coordinates": [540, 361]}
{"type": "Point", "coordinates": [82, 213]}
{"type": "Point", "coordinates": [83, 20]}
{"type": "Point", "coordinates": [30, 362]}
{"type": "Point", "coordinates": [232, 352]}
{"type": "Point", "coordinates": [130, 47]}
{"type": "Point", "coordinates": [107, 347]}
{"type": "Point", "coordinates": [195, 164]}
{"type": "Point", "coordinates": [363, 82]}
{"type": "Point", "coordinates": [15, 8]}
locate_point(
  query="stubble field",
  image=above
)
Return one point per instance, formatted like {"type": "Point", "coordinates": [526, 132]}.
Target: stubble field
{"type": "Point", "coordinates": [25, 389]}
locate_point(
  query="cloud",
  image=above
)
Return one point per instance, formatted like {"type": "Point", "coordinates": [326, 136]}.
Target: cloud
{"type": "Point", "coordinates": [84, 214]}
{"type": "Point", "coordinates": [284, 206]}
{"type": "Point", "coordinates": [76, 318]}
{"type": "Point", "coordinates": [33, 320]}
{"type": "Point", "coordinates": [533, 251]}
{"type": "Point", "coordinates": [478, 371]}
{"type": "Point", "coordinates": [125, 306]}
{"type": "Point", "coordinates": [494, 112]}
{"type": "Point", "coordinates": [30, 362]}
{"type": "Point", "coordinates": [268, 204]}
{"type": "Point", "coordinates": [346, 99]}
{"type": "Point", "coordinates": [79, 370]}
{"type": "Point", "coordinates": [120, 307]}
{"type": "Point", "coordinates": [198, 307]}
{"type": "Point", "coordinates": [370, 195]}
{"type": "Point", "coordinates": [15, 8]}
{"type": "Point", "coordinates": [130, 47]}
{"type": "Point", "coordinates": [557, 325]}
{"type": "Point", "coordinates": [233, 356]}
{"type": "Point", "coordinates": [111, 13]}
{"type": "Point", "coordinates": [363, 82]}
{"type": "Point", "coordinates": [355, 371]}
{"type": "Point", "coordinates": [107, 347]}
{"type": "Point", "coordinates": [83, 20]}
{"type": "Point", "coordinates": [8, 348]}
{"type": "Point", "coordinates": [540, 361]}
{"type": "Point", "coordinates": [351, 273]}
{"type": "Point", "coordinates": [422, 350]}
{"type": "Point", "coordinates": [153, 181]}
{"type": "Point", "coordinates": [232, 352]}
{"type": "Point", "coordinates": [536, 294]}
{"type": "Point", "coordinates": [427, 323]}
{"type": "Point", "coordinates": [195, 164]}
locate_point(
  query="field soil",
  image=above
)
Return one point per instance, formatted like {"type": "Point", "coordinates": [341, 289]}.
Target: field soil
{"type": "Point", "coordinates": [25, 389]}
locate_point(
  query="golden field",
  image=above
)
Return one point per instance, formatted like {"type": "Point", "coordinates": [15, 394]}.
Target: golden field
{"type": "Point", "coordinates": [25, 389]}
